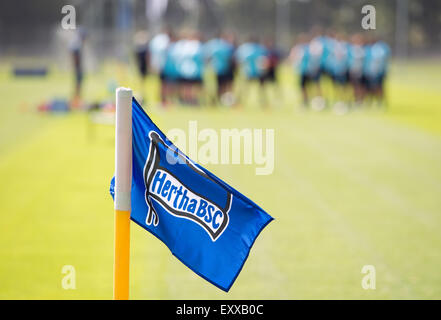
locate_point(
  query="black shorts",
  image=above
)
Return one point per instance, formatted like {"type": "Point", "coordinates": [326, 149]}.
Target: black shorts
{"type": "Point", "coordinates": [225, 78]}
{"type": "Point", "coordinates": [78, 77]}
{"type": "Point", "coordinates": [324, 72]}
{"type": "Point", "coordinates": [341, 78]}
{"type": "Point", "coordinates": [306, 78]}
{"type": "Point", "coordinates": [166, 79]}
{"type": "Point", "coordinates": [142, 66]}
{"type": "Point", "coordinates": [269, 76]}
{"type": "Point", "coordinates": [372, 83]}
{"type": "Point", "coordinates": [356, 79]}
{"type": "Point", "coordinates": [195, 81]}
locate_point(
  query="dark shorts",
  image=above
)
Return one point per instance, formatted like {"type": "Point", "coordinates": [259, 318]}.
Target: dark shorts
{"type": "Point", "coordinates": [356, 79]}
{"type": "Point", "coordinates": [166, 78]}
{"type": "Point", "coordinates": [269, 76]}
{"type": "Point", "coordinates": [142, 65]}
{"type": "Point", "coordinates": [143, 70]}
{"type": "Point", "coordinates": [325, 72]}
{"type": "Point", "coordinates": [340, 78]}
{"type": "Point", "coordinates": [225, 78]}
{"type": "Point", "coordinates": [372, 83]}
{"type": "Point", "coordinates": [78, 77]}
{"type": "Point", "coordinates": [195, 81]}
{"type": "Point", "coordinates": [306, 78]}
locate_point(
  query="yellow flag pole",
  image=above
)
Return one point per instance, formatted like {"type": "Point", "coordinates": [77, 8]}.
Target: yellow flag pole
{"type": "Point", "coordinates": [123, 183]}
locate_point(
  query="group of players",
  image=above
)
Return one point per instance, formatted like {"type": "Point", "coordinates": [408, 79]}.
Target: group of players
{"type": "Point", "coordinates": [181, 64]}
{"type": "Point", "coordinates": [356, 68]}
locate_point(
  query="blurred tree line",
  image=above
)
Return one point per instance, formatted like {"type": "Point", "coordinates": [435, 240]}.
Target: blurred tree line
{"type": "Point", "coordinates": [260, 17]}
{"type": "Point", "coordinates": [28, 26]}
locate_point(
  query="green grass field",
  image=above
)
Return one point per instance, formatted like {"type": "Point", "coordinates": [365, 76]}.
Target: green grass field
{"type": "Point", "coordinates": [347, 191]}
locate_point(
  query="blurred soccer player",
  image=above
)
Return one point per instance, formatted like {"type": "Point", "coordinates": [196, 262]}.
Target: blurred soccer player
{"type": "Point", "coordinates": [142, 57]}
{"type": "Point", "coordinates": [356, 54]}
{"type": "Point", "coordinates": [76, 48]}
{"type": "Point", "coordinates": [375, 69]}
{"type": "Point", "coordinates": [162, 62]}
{"type": "Point", "coordinates": [273, 61]}
{"type": "Point", "coordinates": [219, 53]}
{"type": "Point", "coordinates": [190, 67]}
{"type": "Point", "coordinates": [253, 60]}
{"type": "Point", "coordinates": [307, 59]}
{"type": "Point", "coordinates": [337, 64]}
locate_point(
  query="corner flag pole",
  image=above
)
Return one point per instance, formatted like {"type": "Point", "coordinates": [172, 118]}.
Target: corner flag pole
{"type": "Point", "coordinates": [123, 184]}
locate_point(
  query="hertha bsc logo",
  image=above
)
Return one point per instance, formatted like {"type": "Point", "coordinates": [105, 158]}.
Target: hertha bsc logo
{"type": "Point", "coordinates": [193, 196]}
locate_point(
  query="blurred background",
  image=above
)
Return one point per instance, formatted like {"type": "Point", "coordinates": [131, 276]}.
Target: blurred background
{"type": "Point", "coordinates": [357, 176]}
{"type": "Point", "coordinates": [410, 27]}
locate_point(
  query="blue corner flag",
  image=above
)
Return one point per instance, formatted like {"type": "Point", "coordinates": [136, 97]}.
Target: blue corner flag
{"type": "Point", "coordinates": [206, 224]}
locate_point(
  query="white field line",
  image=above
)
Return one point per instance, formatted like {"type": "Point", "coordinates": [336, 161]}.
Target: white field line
{"type": "Point", "coordinates": [395, 161]}
{"type": "Point", "coordinates": [426, 145]}
{"type": "Point", "coordinates": [416, 140]}
{"type": "Point", "coordinates": [383, 191]}
{"type": "Point", "coordinates": [354, 238]}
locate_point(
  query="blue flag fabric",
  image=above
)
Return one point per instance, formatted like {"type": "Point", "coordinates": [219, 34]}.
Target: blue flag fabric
{"type": "Point", "coordinates": [206, 224]}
